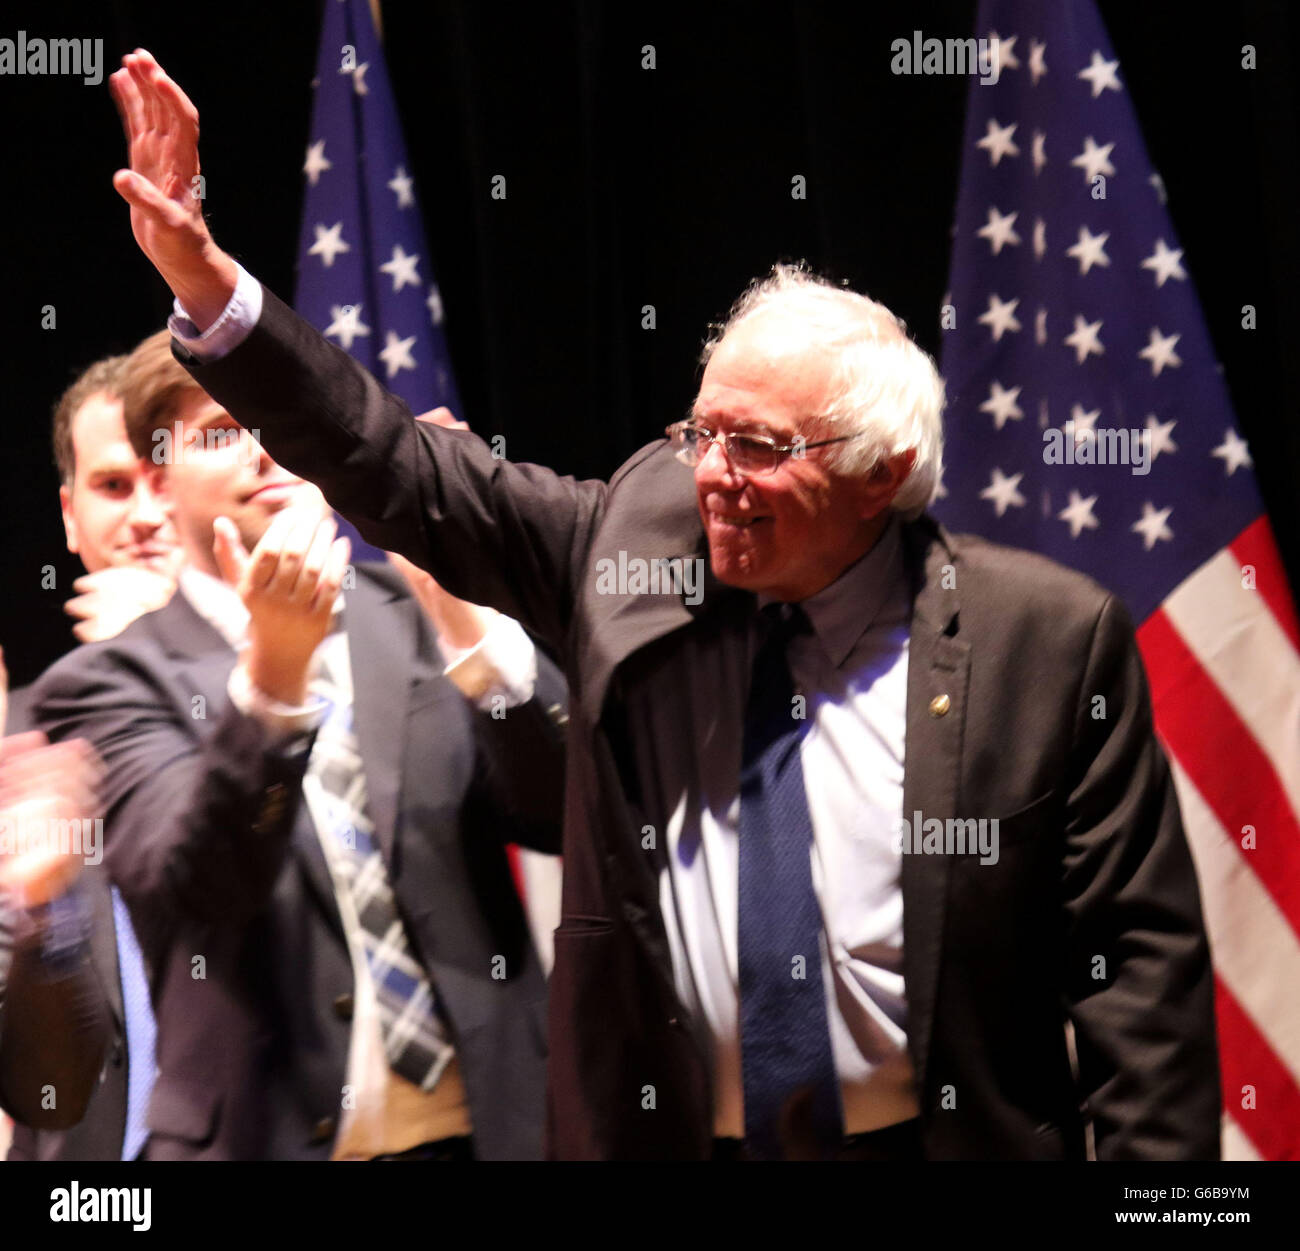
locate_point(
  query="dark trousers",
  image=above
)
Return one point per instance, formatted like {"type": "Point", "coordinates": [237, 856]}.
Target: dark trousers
{"type": "Point", "coordinates": [899, 1143]}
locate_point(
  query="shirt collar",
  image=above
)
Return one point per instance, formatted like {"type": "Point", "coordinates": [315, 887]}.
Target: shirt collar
{"type": "Point", "coordinates": [843, 611]}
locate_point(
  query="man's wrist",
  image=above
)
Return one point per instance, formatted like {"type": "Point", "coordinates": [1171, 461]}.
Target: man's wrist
{"type": "Point", "coordinates": [204, 289]}
{"type": "Point", "coordinates": [284, 681]}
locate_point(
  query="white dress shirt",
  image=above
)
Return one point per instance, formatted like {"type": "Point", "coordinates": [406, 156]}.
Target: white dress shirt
{"type": "Point", "coordinates": [853, 671]}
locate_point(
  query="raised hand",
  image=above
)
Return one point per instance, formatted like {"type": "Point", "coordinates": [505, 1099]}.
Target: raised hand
{"type": "Point", "coordinates": [108, 600]}
{"type": "Point", "coordinates": [288, 585]}
{"type": "Point", "coordinates": [163, 188]}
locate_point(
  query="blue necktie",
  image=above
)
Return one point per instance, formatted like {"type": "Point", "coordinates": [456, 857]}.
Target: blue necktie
{"type": "Point", "coordinates": [140, 1030]}
{"type": "Point", "coordinates": [792, 1095]}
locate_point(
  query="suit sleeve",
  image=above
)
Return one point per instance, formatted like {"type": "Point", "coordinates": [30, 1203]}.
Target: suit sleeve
{"type": "Point", "coordinates": [511, 536]}
{"type": "Point", "coordinates": [521, 762]}
{"type": "Point", "coordinates": [53, 1029]}
{"type": "Point", "coordinates": [192, 832]}
{"type": "Point", "coordinates": [1139, 983]}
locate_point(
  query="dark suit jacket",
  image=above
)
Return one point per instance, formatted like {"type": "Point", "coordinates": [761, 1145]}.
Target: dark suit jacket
{"type": "Point", "coordinates": [221, 866]}
{"type": "Point", "coordinates": [997, 958]}
{"type": "Point", "coordinates": [98, 1135]}
{"type": "Point", "coordinates": [56, 1031]}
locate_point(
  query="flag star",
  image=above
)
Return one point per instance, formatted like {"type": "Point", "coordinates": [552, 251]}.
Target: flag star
{"type": "Point", "coordinates": [316, 163]}
{"type": "Point", "coordinates": [1165, 262]}
{"type": "Point", "coordinates": [1158, 436]}
{"type": "Point", "coordinates": [1094, 160]}
{"type": "Point", "coordinates": [1040, 326]}
{"type": "Point", "coordinates": [1084, 424]}
{"type": "Point", "coordinates": [1083, 339]}
{"type": "Point", "coordinates": [1000, 317]}
{"type": "Point", "coordinates": [397, 353]}
{"type": "Point", "coordinates": [359, 79]}
{"type": "Point", "coordinates": [1159, 184]}
{"type": "Point", "coordinates": [1039, 151]}
{"type": "Point", "coordinates": [434, 305]}
{"type": "Point", "coordinates": [1152, 526]}
{"type": "Point", "coordinates": [1002, 404]}
{"type": "Point", "coordinates": [1040, 238]}
{"type": "Point", "coordinates": [402, 269]}
{"type": "Point", "coordinates": [999, 230]}
{"type": "Point", "coordinates": [1160, 351]}
{"type": "Point", "coordinates": [329, 243]}
{"type": "Point", "coordinates": [1002, 54]}
{"type": "Point", "coordinates": [1079, 514]}
{"type": "Point", "coordinates": [1002, 491]}
{"type": "Point", "coordinates": [1037, 66]}
{"type": "Point", "coordinates": [1233, 452]}
{"type": "Point", "coordinates": [402, 184]}
{"type": "Point", "coordinates": [347, 324]}
{"type": "Point", "coordinates": [997, 141]}
{"type": "Point", "coordinates": [1090, 250]}
{"type": "Point", "coordinates": [1101, 74]}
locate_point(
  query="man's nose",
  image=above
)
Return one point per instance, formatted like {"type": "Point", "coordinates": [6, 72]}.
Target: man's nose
{"type": "Point", "coordinates": [146, 509]}
{"type": "Point", "coordinates": [714, 468]}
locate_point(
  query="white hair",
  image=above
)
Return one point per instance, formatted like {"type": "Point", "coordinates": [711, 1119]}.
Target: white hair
{"type": "Point", "coordinates": [882, 384]}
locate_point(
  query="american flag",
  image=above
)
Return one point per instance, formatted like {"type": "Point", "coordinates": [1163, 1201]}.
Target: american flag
{"type": "Point", "coordinates": [1072, 315]}
{"type": "Point", "coordinates": [365, 278]}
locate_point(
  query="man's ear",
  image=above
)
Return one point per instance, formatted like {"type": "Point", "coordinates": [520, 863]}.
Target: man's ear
{"type": "Point", "coordinates": [69, 521]}
{"type": "Point", "coordinates": [878, 489]}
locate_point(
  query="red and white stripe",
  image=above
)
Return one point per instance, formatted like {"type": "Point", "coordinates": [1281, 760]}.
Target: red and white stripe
{"type": "Point", "coordinates": [1223, 657]}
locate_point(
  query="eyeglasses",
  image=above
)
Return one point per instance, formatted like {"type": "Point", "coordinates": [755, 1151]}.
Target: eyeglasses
{"type": "Point", "coordinates": [752, 454]}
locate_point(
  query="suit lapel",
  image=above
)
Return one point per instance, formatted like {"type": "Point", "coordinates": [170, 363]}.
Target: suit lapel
{"type": "Point", "coordinates": [658, 521]}
{"type": "Point", "coordinates": [103, 944]}
{"type": "Point", "coordinates": [381, 629]}
{"type": "Point", "coordinates": [938, 672]}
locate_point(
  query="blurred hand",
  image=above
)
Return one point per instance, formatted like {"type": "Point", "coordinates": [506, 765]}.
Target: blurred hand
{"type": "Point", "coordinates": [110, 599]}
{"type": "Point", "coordinates": [42, 785]}
{"type": "Point", "coordinates": [288, 585]}
{"type": "Point", "coordinates": [162, 187]}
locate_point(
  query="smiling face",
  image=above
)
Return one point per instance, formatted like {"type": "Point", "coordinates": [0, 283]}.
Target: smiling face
{"type": "Point", "coordinates": [794, 531]}
{"type": "Point", "coordinates": [110, 512]}
{"type": "Point", "coordinates": [219, 470]}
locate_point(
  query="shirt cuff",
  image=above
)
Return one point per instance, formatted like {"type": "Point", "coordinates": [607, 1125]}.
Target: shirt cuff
{"type": "Point", "coordinates": [282, 722]}
{"type": "Point", "coordinates": [229, 330]}
{"type": "Point", "coordinates": [503, 664]}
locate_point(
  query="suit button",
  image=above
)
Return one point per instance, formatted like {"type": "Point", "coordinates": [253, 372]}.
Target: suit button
{"type": "Point", "coordinates": [323, 1130]}
{"type": "Point", "coordinates": [673, 1022]}
{"type": "Point", "coordinates": [343, 1007]}
{"type": "Point", "coordinates": [939, 705]}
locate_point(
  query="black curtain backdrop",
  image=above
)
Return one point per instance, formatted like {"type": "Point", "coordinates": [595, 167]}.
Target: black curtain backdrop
{"type": "Point", "coordinates": [625, 187]}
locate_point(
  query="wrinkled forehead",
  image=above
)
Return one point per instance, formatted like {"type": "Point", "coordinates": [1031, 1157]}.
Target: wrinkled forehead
{"type": "Point", "coordinates": [766, 371]}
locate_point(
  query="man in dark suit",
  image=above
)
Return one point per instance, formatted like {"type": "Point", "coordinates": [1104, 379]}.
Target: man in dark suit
{"type": "Point", "coordinates": [307, 819]}
{"type": "Point", "coordinates": [749, 965]}
{"type": "Point", "coordinates": [115, 524]}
